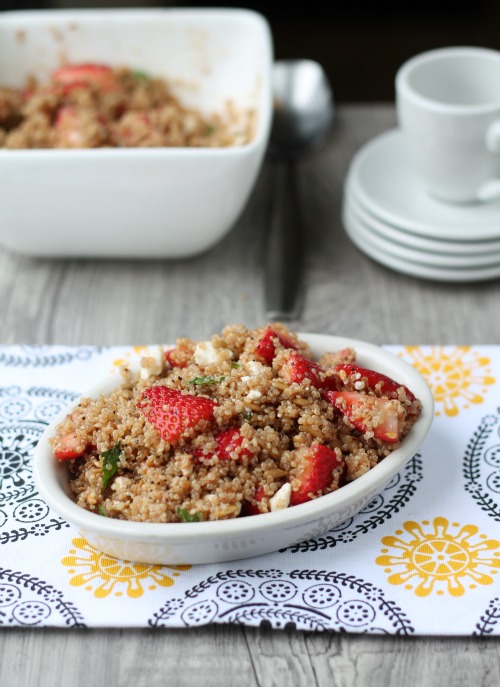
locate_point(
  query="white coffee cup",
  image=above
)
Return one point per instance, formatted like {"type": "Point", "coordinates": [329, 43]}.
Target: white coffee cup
{"type": "Point", "coordinates": [448, 105]}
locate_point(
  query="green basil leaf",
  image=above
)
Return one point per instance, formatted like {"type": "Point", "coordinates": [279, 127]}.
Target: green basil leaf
{"type": "Point", "coordinates": [186, 516]}
{"type": "Point", "coordinates": [141, 76]}
{"type": "Point", "coordinates": [205, 380]}
{"type": "Point", "coordinates": [110, 460]}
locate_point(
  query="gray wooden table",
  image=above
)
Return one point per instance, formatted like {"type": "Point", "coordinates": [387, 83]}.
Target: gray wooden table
{"type": "Point", "coordinates": [127, 302]}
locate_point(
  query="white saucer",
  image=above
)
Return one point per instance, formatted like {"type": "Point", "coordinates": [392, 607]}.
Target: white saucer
{"type": "Point", "coordinates": [388, 240]}
{"type": "Point", "coordinates": [388, 256]}
{"type": "Point", "coordinates": [381, 179]}
{"type": "Point", "coordinates": [397, 250]}
{"type": "Point", "coordinates": [417, 242]}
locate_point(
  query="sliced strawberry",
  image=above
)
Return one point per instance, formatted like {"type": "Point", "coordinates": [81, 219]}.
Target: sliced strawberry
{"type": "Point", "coordinates": [173, 360]}
{"type": "Point", "coordinates": [172, 413]}
{"type": "Point", "coordinates": [84, 74]}
{"type": "Point", "coordinates": [68, 129]}
{"type": "Point", "coordinates": [315, 471]}
{"type": "Point", "coordinates": [376, 380]}
{"type": "Point", "coordinates": [366, 412]}
{"type": "Point", "coordinates": [253, 507]}
{"type": "Point", "coordinates": [74, 128]}
{"type": "Point", "coordinates": [299, 368]}
{"type": "Point", "coordinates": [182, 354]}
{"type": "Point", "coordinates": [69, 446]}
{"type": "Point", "coordinates": [266, 347]}
{"type": "Point", "coordinates": [228, 441]}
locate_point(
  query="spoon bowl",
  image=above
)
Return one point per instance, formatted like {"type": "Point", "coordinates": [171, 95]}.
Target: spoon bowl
{"type": "Point", "coordinates": [303, 108]}
{"type": "Point", "coordinates": [303, 115]}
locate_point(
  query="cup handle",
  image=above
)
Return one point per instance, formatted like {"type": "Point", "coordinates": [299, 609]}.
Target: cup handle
{"type": "Point", "coordinates": [491, 189]}
{"type": "Point", "coordinates": [493, 137]}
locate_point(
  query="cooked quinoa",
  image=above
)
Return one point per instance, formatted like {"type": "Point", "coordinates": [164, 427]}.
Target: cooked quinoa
{"type": "Point", "coordinates": [94, 106]}
{"type": "Point", "coordinates": [242, 424]}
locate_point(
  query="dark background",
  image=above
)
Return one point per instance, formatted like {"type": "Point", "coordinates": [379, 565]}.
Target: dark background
{"type": "Point", "coordinates": [360, 43]}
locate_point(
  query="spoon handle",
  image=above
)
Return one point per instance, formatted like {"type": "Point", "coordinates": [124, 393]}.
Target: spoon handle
{"type": "Point", "coordinates": [284, 252]}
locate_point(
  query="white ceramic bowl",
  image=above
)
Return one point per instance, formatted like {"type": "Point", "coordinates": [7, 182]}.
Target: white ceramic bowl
{"type": "Point", "coordinates": [142, 202]}
{"type": "Point", "coordinates": [211, 542]}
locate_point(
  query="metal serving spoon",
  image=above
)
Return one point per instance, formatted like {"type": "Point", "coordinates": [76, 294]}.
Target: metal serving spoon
{"type": "Point", "coordinates": [303, 114]}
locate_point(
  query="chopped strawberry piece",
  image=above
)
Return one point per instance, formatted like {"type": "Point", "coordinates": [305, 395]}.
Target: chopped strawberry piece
{"type": "Point", "coordinates": [26, 94]}
{"type": "Point", "coordinates": [299, 368]}
{"type": "Point", "coordinates": [366, 412]}
{"type": "Point", "coordinates": [182, 354]}
{"type": "Point", "coordinates": [266, 347]}
{"type": "Point", "coordinates": [376, 380]}
{"type": "Point", "coordinates": [253, 507]}
{"type": "Point", "coordinates": [84, 74]}
{"type": "Point", "coordinates": [228, 441]}
{"type": "Point", "coordinates": [68, 127]}
{"type": "Point", "coordinates": [172, 413]}
{"type": "Point", "coordinates": [136, 129]}
{"type": "Point", "coordinates": [315, 472]}
{"type": "Point", "coordinates": [69, 446]}
{"type": "Point", "coordinates": [76, 129]}
{"type": "Point", "coordinates": [173, 360]}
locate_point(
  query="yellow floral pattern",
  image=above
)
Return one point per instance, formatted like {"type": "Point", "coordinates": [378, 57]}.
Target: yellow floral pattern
{"type": "Point", "coordinates": [439, 557]}
{"type": "Point", "coordinates": [457, 376]}
{"type": "Point", "coordinates": [104, 575]}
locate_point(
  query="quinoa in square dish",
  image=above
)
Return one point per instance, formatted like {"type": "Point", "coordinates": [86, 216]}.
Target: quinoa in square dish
{"type": "Point", "coordinates": [97, 106]}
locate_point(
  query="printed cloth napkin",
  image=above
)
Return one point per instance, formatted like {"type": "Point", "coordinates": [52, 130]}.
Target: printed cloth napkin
{"type": "Point", "coordinates": [421, 559]}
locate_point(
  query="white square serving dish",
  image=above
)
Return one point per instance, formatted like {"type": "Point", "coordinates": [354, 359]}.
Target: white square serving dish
{"type": "Point", "coordinates": [136, 202]}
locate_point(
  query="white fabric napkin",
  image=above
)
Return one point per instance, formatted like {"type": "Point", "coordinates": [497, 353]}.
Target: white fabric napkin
{"type": "Point", "coordinates": [422, 558]}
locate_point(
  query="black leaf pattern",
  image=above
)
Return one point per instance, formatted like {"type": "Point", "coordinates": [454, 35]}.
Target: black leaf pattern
{"type": "Point", "coordinates": [54, 525]}
{"type": "Point", "coordinates": [489, 620]}
{"type": "Point", "coordinates": [473, 464]}
{"type": "Point", "coordinates": [72, 616]}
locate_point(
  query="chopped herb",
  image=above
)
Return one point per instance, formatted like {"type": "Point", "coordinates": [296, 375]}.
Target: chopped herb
{"type": "Point", "coordinates": [235, 366]}
{"type": "Point", "coordinates": [102, 510]}
{"type": "Point", "coordinates": [206, 380]}
{"type": "Point", "coordinates": [211, 129]}
{"type": "Point", "coordinates": [186, 516]}
{"type": "Point", "coordinates": [247, 414]}
{"type": "Point", "coordinates": [141, 76]}
{"type": "Point", "coordinates": [110, 460]}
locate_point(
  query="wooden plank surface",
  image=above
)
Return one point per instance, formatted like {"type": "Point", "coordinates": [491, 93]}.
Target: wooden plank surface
{"type": "Point", "coordinates": [127, 302]}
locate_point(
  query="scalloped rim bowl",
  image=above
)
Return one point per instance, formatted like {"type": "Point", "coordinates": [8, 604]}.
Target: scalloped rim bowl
{"type": "Point", "coordinates": [214, 542]}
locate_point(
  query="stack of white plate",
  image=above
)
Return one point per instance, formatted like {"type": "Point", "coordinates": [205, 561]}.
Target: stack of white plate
{"type": "Point", "coordinates": [392, 219]}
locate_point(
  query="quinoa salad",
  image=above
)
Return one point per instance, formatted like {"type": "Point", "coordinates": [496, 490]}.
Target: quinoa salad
{"type": "Point", "coordinates": [244, 423]}
{"type": "Point", "coordinates": [95, 105]}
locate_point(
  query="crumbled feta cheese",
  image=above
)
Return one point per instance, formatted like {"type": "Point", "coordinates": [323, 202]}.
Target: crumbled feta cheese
{"type": "Point", "coordinates": [206, 353]}
{"type": "Point", "coordinates": [152, 364]}
{"type": "Point", "coordinates": [281, 498]}
{"type": "Point", "coordinates": [255, 367]}
{"type": "Point", "coordinates": [254, 395]}
{"type": "Point", "coordinates": [120, 483]}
